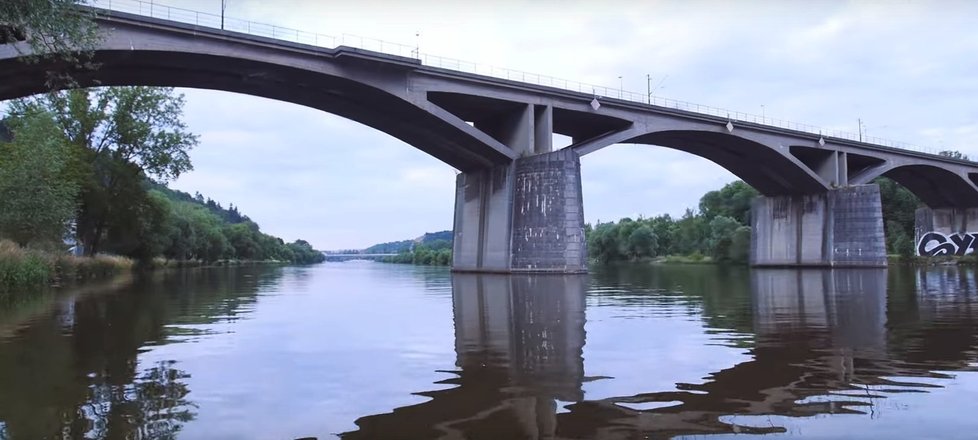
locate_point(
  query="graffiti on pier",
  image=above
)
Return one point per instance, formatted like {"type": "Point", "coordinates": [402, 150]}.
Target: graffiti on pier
{"type": "Point", "coordinates": [933, 244]}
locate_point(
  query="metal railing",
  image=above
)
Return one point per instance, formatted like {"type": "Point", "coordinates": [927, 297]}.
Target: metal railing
{"type": "Point", "coordinates": [204, 19]}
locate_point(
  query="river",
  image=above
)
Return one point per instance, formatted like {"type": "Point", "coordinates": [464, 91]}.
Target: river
{"type": "Point", "coordinates": [364, 350]}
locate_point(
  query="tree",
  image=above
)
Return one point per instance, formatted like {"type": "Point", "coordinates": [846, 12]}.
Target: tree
{"type": "Point", "coordinates": [119, 137]}
{"type": "Point", "coordinates": [51, 29]}
{"type": "Point", "coordinates": [899, 212]}
{"type": "Point", "coordinates": [953, 154]}
{"type": "Point", "coordinates": [603, 243]}
{"type": "Point", "coordinates": [243, 239]}
{"type": "Point", "coordinates": [641, 242]}
{"type": "Point", "coordinates": [722, 231]}
{"type": "Point", "coordinates": [36, 201]}
{"type": "Point", "coordinates": [733, 200]}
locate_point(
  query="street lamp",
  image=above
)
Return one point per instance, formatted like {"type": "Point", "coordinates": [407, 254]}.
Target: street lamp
{"type": "Point", "coordinates": [621, 86]}
{"type": "Point", "coordinates": [224, 5]}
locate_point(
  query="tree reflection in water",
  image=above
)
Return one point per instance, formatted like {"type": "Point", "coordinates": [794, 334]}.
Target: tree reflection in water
{"type": "Point", "coordinates": [72, 371]}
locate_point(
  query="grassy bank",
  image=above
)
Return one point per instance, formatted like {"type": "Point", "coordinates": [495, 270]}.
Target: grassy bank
{"type": "Point", "coordinates": [684, 259]}
{"type": "Point", "coordinates": [694, 258]}
{"type": "Point", "coordinates": [23, 268]}
{"type": "Point", "coordinates": [162, 263]}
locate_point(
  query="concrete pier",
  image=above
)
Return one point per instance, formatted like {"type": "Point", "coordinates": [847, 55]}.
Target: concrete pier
{"type": "Point", "coordinates": [523, 217]}
{"type": "Point", "coordinates": [840, 228]}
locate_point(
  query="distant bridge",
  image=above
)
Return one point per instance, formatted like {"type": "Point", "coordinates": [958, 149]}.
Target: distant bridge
{"type": "Point", "coordinates": [348, 257]}
{"type": "Point", "coordinates": [518, 201]}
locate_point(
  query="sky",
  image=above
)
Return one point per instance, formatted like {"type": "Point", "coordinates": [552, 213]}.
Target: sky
{"type": "Point", "coordinates": [908, 70]}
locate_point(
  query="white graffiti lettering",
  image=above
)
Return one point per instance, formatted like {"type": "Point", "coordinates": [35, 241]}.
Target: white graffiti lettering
{"type": "Point", "coordinates": [933, 244]}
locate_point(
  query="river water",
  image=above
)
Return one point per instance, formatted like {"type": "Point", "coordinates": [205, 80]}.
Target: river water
{"type": "Point", "coordinates": [365, 350]}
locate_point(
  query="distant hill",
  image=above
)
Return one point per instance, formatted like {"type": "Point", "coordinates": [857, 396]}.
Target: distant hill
{"type": "Point", "coordinates": [229, 214]}
{"type": "Point", "coordinates": [396, 247]}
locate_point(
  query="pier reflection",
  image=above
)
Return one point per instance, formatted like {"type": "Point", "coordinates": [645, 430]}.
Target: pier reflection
{"type": "Point", "coordinates": [519, 343]}
{"type": "Point", "coordinates": [824, 342]}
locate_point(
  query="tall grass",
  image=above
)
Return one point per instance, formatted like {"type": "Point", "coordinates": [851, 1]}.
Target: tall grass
{"type": "Point", "coordinates": [20, 268]}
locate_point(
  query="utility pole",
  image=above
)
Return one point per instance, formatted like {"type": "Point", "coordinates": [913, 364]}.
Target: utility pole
{"type": "Point", "coordinates": [648, 87]}
{"type": "Point", "coordinates": [417, 44]}
{"type": "Point", "coordinates": [649, 90]}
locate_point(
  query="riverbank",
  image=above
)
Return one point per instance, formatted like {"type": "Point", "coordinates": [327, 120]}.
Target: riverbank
{"type": "Point", "coordinates": [25, 268]}
{"type": "Point", "coordinates": [22, 268]}
{"type": "Point", "coordinates": [943, 260]}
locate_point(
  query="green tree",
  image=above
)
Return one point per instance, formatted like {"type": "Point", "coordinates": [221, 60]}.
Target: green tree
{"type": "Point", "coordinates": [139, 228]}
{"type": "Point", "coordinates": [899, 212]}
{"type": "Point", "coordinates": [722, 231]}
{"type": "Point", "coordinates": [303, 253]}
{"type": "Point", "coordinates": [740, 245]}
{"type": "Point", "coordinates": [733, 200]}
{"type": "Point", "coordinates": [603, 243]}
{"type": "Point", "coordinates": [691, 234]}
{"type": "Point", "coordinates": [243, 239]}
{"type": "Point", "coordinates": [642, 242]}
{"type": "Point", "coordinates": [36, 201]}
{"type": "Point", "coordinates": [120, 136]}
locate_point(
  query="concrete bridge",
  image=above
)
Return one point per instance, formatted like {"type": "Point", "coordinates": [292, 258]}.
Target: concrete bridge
{"type": "Point", "coordinates": [352, 256]}
{"type": "Point", "coordinates": [518, 201]}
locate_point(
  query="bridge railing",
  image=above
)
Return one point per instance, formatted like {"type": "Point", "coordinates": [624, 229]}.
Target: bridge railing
{"type": "Point", "coordinates": [205, 19]}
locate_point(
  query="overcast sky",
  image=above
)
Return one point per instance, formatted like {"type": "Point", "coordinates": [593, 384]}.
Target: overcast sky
{"type": "Point", "coordinates": [907, 69]}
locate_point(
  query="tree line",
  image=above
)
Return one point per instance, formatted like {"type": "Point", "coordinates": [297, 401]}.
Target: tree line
{"type": "Point", "coordinates": [721, 228]}
{"type": "Point", "coordinates": [436, 252]}
{"type": "Point", "coordinates": [91, 164]}
{"type": "Point", "coordinates": [718, 230]}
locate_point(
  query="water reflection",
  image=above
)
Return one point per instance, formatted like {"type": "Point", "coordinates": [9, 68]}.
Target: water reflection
{"type": "Point", "coordinates": [70, 367]}
{"type": "Point", "coordinates": [664, 352]}
{"type": "Point", "coordinates": [824, 342]}
{"type": "Point", "coordinates": [519, 343]}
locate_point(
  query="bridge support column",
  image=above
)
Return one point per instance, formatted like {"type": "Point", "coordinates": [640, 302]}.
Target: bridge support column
{"type": "Point", "coordinates": [524, 217]}
{"type": "Point", "coordinates": [840, 228]}
{"type": "Point", "coordinates": [946, 231]}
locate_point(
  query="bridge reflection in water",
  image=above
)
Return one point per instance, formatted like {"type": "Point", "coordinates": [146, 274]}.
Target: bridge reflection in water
{"type": "Point", "coordinates": [519, 342]}
{"type": "Point", "coordinates": [826, 342]}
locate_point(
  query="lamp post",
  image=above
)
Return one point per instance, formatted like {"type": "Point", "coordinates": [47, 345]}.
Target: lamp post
{"type": "Point", "coordinates": [224, 5]}
{"type": "Point", "coordinates": [621, 86]}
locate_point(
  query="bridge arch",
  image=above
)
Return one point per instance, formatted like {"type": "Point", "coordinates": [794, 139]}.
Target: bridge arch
{"type": "Point", "coordinates": [761, 166]}
{"type": "Point", "coordinates": [342, 82]}
{"type": "Point", "coordinates": [935, 186]}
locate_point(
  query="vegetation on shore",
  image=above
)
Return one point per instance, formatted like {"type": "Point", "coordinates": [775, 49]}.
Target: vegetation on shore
{"type": "Point", "coordinates": [89, 166]}
{"type": "Point", "coordinates": [718, 232]}
{"type": "Point", "coordinates": [25, 268]}
{"type": "Point", "coordinates": [436, 252]}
